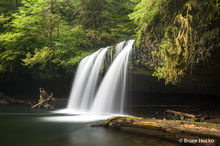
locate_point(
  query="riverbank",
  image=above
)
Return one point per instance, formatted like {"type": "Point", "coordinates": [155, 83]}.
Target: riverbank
{"type": "Point", "coordinates": [28, 102]}
{"type": "Point", "coordinates": [186, 132]}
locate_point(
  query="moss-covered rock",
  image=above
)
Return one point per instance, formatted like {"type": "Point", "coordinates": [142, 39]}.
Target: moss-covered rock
{"type": "Point", "coordinates": [183, 36]}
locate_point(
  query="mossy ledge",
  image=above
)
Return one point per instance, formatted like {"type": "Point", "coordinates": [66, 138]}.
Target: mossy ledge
{"type": "Point", "coordinates": [180, 40]}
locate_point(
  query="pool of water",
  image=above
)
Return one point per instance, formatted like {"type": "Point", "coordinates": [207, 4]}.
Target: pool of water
{"type": "Point", "coordinates": [20, 126]}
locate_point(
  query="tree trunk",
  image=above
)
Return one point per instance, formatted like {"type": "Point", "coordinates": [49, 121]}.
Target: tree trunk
{"type": "Point", "coordinates": [50, 29]}
{"type": "Point", "coordinates": [50, 21]}
{"type": "Point", "coordinates": [175, 127]}
{"type": "Point", "coordinates": [16, 3]}
{"type": "Point", "coordinates": [58, 21]}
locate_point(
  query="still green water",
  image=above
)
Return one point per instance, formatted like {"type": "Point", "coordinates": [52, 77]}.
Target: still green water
{"type": "Point", "coordinates": [20, 126]}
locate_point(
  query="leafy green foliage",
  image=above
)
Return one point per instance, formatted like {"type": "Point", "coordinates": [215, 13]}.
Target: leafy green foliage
{"type": "Point", "coordinates": [48, 38]}
{"type": "Point", "coordinates": [144, 12]}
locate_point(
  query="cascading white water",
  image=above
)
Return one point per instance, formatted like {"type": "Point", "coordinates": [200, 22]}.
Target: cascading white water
{"type": "Point", "coordinates": [85, 72]}
{"type": "Point", "coordinates": [111, 93]}
{"type": "Point", "coordinates": [120, 47]}
{"type": "Point", "coordinates": [91, 85]}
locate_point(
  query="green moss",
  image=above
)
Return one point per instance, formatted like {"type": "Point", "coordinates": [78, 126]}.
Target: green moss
{"type": "Point", "coordinates": [182, 30]}
{"type": "Point", "coordinates": [110, 124]}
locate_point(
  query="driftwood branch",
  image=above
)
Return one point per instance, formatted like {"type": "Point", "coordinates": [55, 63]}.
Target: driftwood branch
{"type": "Point", "coordinates": [45, 100]}
{"type": "Point", "coordinates": [38, 104]}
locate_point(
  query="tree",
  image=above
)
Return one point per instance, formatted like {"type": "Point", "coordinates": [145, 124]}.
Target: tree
{"type": "Point", "coordinates": [49, 37]}
{"type": "Point", "coordinates": [93, 13]}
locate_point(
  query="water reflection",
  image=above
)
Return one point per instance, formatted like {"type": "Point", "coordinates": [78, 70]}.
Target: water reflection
{"type": "Point", "coordinates": [76, 118]}
{"type": "Point", "coordinates": [91, 136]}
{"type": "Point", "coordinates": [34, 128]}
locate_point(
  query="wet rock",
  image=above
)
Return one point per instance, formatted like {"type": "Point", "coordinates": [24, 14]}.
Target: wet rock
{"type": "Point", "coordinates": [3, 99]}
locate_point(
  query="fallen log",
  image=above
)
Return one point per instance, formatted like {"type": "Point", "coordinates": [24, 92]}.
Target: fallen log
{"type": "Point", "coordinates": [183, 114]}
{"type": "Point", "coordinates": [186, 116]}
{"type": "Point", "coordinates": [171, 126]}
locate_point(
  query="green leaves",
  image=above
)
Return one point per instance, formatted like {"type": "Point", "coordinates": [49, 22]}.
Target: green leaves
{"type": "Point", "coordinates": [49, 37]}
{"type": "Point", "coordinates": [41, 56]}
{"type": "Point", "coordinates": [144, 11]}
{"type": "Point", "coordinates": [9, 39]}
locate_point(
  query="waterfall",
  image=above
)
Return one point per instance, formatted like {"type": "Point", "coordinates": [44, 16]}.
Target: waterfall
{"type": "Point", "coordinates": [91, 85]}
{"type": "Point", "coordinates": [109, 96]}
{"type": "Point", "coordinates": [85, 80]}
{"type": "Point", "coordinates": [111, 93]}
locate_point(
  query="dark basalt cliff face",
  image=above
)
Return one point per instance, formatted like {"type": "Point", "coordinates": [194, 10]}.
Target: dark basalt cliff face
{"type": "Point", "coordinates": [181, 46]}
{"type": "Point", "coordinates": [144, 89]}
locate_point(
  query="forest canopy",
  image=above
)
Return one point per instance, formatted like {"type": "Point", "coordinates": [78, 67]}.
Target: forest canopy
{"type": "Point", "coordinates": [48, 38]}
